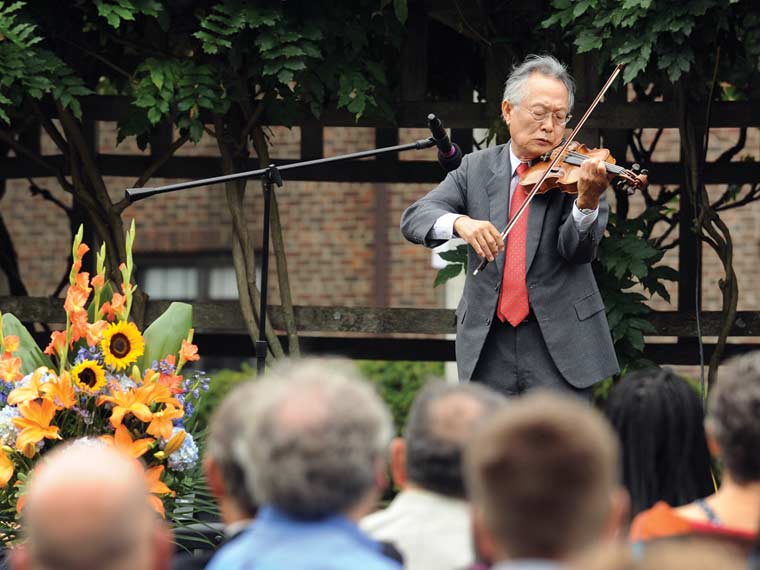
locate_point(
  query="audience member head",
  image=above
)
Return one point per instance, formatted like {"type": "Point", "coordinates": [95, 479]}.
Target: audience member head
{"type": "Point", "coordinates": [315, 441]}
{"type": "Point", "coordinates": [224, 471]}
{"type": "Point", "coordinates": [660, 421]}
{"type": "Point", "coordinates": [441, 421]}
{"type": "Point", "coordinates": [733, 419]}
{"type": "Point", "coordinates": [543, 476]}
{"type": "Point", "coordinates": [87, 507]}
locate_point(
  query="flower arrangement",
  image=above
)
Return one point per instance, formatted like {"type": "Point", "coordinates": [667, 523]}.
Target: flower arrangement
{"type": "Point", "coordinates": [100, 377]}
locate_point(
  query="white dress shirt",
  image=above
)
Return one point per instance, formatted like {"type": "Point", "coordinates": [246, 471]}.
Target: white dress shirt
{"type": "Point", "coordinates": [444, 226]}
{"type": "Point", "coordinates": [431, 531]}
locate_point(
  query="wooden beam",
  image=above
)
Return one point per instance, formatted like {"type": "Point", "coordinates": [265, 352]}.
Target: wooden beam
{"type": "Point", "coordinates": [405, 171]}
{"type": "Point", "coordinates": [224, 316]}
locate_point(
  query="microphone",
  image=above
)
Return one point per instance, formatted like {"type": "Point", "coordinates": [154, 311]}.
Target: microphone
{"type": "Point", "coordinates": [449, 153]}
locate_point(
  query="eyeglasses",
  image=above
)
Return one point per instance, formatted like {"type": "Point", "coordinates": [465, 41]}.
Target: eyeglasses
{"type": "Point", "coordinates": [539, 115]}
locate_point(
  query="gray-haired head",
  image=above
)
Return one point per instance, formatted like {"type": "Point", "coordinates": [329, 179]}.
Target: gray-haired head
{"type": "Point", "coordinates": [734, 416]}
{"type": "Point", "coordinates": [441, 421]}
{"type": "Point", "coordinates": [545, 65]}
{"type": "Point", "coordinates": [225, 428]}
{"type": "Point", "coordinates": [317, 432]}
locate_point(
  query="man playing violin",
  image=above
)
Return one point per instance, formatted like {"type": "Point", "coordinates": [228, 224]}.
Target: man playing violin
{"type": "Point", "coordinates": [533, 317]}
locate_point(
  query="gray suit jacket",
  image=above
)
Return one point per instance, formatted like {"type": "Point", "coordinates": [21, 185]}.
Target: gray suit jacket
{"type": "Point", "coordinates": [561, 287]}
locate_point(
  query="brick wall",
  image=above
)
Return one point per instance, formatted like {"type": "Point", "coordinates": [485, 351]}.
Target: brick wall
{"type": "Point", "coordinates": [329, 227]}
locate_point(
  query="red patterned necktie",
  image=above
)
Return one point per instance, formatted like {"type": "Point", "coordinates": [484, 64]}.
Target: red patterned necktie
{"type": "Point", "coordinates": [513, 299]}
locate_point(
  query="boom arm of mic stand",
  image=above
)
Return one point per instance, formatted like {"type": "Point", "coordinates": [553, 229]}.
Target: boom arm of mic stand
{"type": "Point", "coordinates": [135, 194]}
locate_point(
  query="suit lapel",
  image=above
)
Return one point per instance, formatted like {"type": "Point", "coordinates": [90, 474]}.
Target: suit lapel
{"type": "Point", "coordinates": [497, 189]}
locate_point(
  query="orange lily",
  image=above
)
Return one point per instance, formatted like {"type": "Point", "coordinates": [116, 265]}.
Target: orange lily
{"type": "Point", "coordinates": [6, 468]}
{"type": "Point", "coordinates": [161, 423]}
{"type": "Point", "coordinates": [60, 391]}
{"type": "Point", "coordinates": [157, 487]}
{"type": "Point", "coordinates": [175, 442]}
{"type": "Point", "coordinates": [30, 391]}
{"type": "Point", "coordinates": [127, 401]}
{"type": "Point", "coordinates": [122, 440]}
{"type": "Point", "coordinates": [158, 393]}
{"type": "Point", "coordinates": [10, 368]}
{"type": "Point", "coordinates": [57, 342]}
{"type": "Point", "coordinates": [34, 424]}
{"type": "Point", "coordinates": [11, 343]}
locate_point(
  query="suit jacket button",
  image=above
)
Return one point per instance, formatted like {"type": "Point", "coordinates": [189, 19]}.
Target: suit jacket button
{"type": "Point", "coordinates": [488, 322]}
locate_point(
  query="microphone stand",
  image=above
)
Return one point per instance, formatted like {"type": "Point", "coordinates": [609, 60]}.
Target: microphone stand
{"type": "Point", "coordinates": [271, 175]}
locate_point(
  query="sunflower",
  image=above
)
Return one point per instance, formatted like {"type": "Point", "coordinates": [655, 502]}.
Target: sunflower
{"type": "Point", "coordinates": [122, 343]}
{"type": "Point", "coordinates": [89, 376]}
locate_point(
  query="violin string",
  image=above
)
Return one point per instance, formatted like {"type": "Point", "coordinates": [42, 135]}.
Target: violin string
{"type": "Point", "coordinates": [613, 168]}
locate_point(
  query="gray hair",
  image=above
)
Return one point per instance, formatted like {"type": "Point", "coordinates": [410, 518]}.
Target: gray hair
{"type": "Point", "coordinates": [225, 428]}
{"type": "Point", "coordinates": [316, 433]}
{"type": "Point", "coordinates": [734, 416]}
{"type": "Point", "coordinates": [442, 419]}
{"type": "Point", "coordinates": [545, 65]}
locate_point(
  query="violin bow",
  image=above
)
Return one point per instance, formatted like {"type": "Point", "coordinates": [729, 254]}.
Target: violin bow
{"type": "Point", "coordinates": [554, 162]}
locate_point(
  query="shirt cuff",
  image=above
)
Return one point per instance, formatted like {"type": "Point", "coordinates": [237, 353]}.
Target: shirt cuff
{"type": "Point", "coordinates": [582, 221]}
{"type": "Point", "coordinates": [443, 228]}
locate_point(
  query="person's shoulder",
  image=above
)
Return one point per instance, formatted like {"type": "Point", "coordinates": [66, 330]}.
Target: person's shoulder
{"type": "Point", "coordinates": [486, 155]}
{"type": "Point", "coordinates": [659, 521]}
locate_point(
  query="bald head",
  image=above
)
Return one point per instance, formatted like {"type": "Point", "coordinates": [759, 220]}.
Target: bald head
{"type": "Point", "coordinates": [441, 422]}
{"type": "Point", "coordinates": [87, 507]}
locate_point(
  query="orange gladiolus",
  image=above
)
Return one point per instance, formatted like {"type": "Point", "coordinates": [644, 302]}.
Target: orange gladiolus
{"type": "Point", "coordinates": [11, 343]}
{"type": "Point", "coordinates": [76, 298]}
{"type": "Point", "coordinates": [157, 487]}
{"type": "Point", "coordinates": [82, 281]}
{"type": "Point", "coordinates": [57, 342]}
{"type": "Point", "coordinates": [188, 352]}
{"type": "Point", "coordinates": [113, 308]}
{"type": "Point", "coordinates": [6, 468]}
{"type": "Point", "coordinates": [94, 333]}
{"type": "Point", "coordinates": [81, 250]}
{"type": "Point", "coordinates": [98, 281]}
{"type": "Point", "coordinates": [124, 443]}
{"type": "Point", "coordinates": [79, 325]}
{"type": "Point", "coordinates": [131, 401]}
{"type": "Point", "coordinates": [34, 424]}
{"type": "Point", "coordinates": [161, 423]}
{"type": "Point", "coordinates": [60, 391]}
{"type": "Point", "coordinates": [10, 367]}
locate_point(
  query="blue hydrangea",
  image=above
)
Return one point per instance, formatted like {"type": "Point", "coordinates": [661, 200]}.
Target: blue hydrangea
{"type": "Point", "coordinates": [46, 377]}
{"type": "Point", "coordinates": [8, 430]}
{"type": "Point", "coordinates": [89, 353]}
{"type": "Point", "coordinates": [124, 382]}
{"type": "Point", "coordinates": [186, 457]}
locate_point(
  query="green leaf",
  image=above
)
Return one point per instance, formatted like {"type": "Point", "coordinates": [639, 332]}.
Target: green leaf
{"type": "Point", "coordinates": [164, 336]}
{"type": "Point", "coordinates": [448, 272]}
{"type": "Point", "coordinates": [31, 355]}
{"type": "Point", "coordinates": [401, 10]}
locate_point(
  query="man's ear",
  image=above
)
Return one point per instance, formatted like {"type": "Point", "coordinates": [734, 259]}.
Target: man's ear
{"type": "Point", "coordinates": [712, 444]}
{"type": "Point", "coordinates": [163, 547]}
{"type": "Point", "coordinates": [506, 111]}
{"type": "Point", "coordinates": [397, 452]}
{"type": "Point", "coordinates": [482, 539]}
{"type": "Point", "coordinates": [19, 558]}
{"type": "Point", "coordinates": [214, 478]}
{"type": "Point", "coordinates": [620, 510]}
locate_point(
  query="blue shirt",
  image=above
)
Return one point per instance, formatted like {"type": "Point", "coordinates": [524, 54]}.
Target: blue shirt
{"type": "Point", "coordinates": [276, 541]}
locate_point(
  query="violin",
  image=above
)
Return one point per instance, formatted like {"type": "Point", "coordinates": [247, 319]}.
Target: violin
{"type": "Point", "coordinates": [567, 171]}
